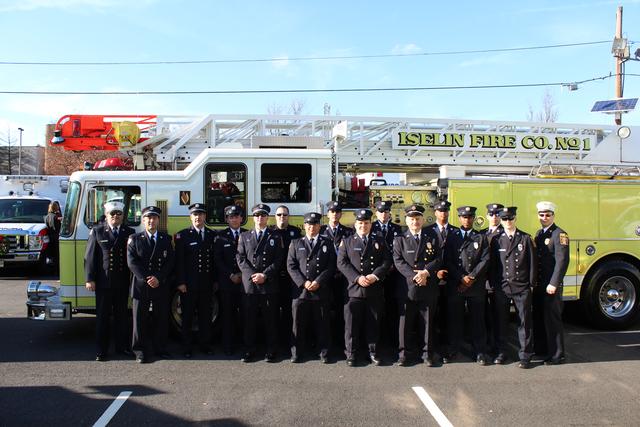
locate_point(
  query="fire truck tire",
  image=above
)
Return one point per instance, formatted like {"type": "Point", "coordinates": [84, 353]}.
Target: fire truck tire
{"type": "Point", "coordinates": [611, 299]}
{"type": "Point", "coordinates": [175, 313]}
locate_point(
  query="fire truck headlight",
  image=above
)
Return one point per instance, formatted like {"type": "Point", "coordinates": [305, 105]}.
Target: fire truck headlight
{"type": "Point", "coordinates": [624, 132]}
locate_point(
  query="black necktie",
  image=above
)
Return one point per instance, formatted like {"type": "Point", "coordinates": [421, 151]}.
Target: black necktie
{"type": "Point", "coordinates": [152, 240]}
{"type": "Point", "coordinates": [259, 236]}
{"type": "Point", "coordinates": [115, 232]}
{"type": "Point", "coordinates": [364, 240]}
{"type": "Point", "coordinates": [311, 242]}
{"type": "Point", "coordinates": [200, 238]}
{"type": "Point", "coordinates": [464, 234]}
{"type": "Point", "coordinates": [384, 229]}
{"type": "Point", "coordinates": [236, 236]}
{"type": "Point", "coordinates": [443, 232]}
{"type": "Point", "coordinates": [417, 237]}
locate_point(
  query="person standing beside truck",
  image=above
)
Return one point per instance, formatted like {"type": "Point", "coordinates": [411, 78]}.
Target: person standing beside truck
{"type": "Point", "coordinates": [107, 274]}
{"type": "Point", "coordinates": [552, 249]}
{"type": "Point", "coordinates": [150, 257]}
{"type": "Point", "coordinates": [53, 220]}
{"type": "Point", "coordinates": [494, 229]}
{"type": "Point", "coordinates": [513, 275]}
{"type": "Point", "coordinates": [195, 278]}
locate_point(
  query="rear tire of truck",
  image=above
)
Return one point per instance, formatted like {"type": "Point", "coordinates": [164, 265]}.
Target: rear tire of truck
{"type": "Point", "coordinates": [611, 298]}
{"type": "Point", "coordinates": [175, 310]}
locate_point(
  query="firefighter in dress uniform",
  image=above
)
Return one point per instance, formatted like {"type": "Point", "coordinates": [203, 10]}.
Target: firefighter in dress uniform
{"type": "Point", "coordinates": [386, 228]}
{"type": "Point", "coordinates": [513, 275]}
{"type": "Point", "coordinates": [259, 258]}
{"type": "Point", "coordinates": [311, 263]}
{"type": "Point", "coordinates": [230, 277]}
{"type": "Point", "coordinates": [195, 279]}
{"type": "Point", "coordinates": [417, 258]}
{"type": "Point", "coordinates": [287, 233]}
{"type": "Point", "coordinates": [490, 314]}
{"type": "Point", "coordinates": [441, 228]}
{"type": "Point", "coordinates": [151, 259]}
{"type": "Point", "coordinates": [107, 274]}
{"type": "Point", "coordinates": [335, 231]}
{"type": "Point", "coordinates": [552, 249]}
{"type": "Point", "coordinates": [466, 262]}
{"type": "Point", "coordinates": [364, 259]}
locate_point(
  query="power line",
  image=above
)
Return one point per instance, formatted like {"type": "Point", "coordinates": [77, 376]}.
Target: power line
{"type": "Point", "coordinates": [305, 58]}
{"type": "Point", "coordinates": [261, 91]}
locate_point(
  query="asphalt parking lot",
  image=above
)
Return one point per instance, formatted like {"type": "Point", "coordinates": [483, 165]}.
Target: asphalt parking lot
{"type": "Point", "coordinates": [48, 376]}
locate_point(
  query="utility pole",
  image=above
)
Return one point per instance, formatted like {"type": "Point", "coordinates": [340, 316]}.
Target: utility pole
{"type": "Point", "coordinates": [619, 62]}
{"type": "Point", "coordinates": [20, 153]}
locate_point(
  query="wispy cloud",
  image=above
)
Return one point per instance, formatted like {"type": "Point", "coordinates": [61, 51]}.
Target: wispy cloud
{"type": "Point", "coordinates": [96, 5]}
{"type": "Point", "coordinates": [404, 49]}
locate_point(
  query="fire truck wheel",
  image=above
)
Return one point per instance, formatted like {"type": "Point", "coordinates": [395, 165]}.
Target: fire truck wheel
{"type": "Point", "coordinates": [175, 320]}
{"type": "Point", "coordinates": [612, 295]}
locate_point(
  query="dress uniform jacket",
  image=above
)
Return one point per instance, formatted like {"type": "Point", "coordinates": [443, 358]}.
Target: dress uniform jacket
{"type": "Point", "coordinates": [336, 236]}
{"type": "Point", "coordinates": [317, 264]}
{"type": "Point", "coordinates": [145, 261]}
{"type": "Point", "coordinates": [513, 263]}
{"type": "Point", "coordinates": [492, 234]}
{"type": "Point", "coordinates": [286, 235]}
{"type": "Point", "coordinates": [466, 257]}
{"type": "Point", "coordinates": [106, 257]}
{"type": "Point", "coordinates": [265, 256]}
{"type": "Point", "coordinates": [225, 251]}
{"type": "Point", "coordinates": [194, 259]}
{"type": "Point", "coordinates": [552, 248]}
{"type": "Point", "coordinates": [355, 260]}
{"type": "Point", "coordinates": [393, 230]}
{"type": "Point", "coordinates": [409, 255]}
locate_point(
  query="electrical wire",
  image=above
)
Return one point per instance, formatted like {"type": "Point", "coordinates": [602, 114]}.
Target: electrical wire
{"type": "Point", "coordinates": [303, 58]}
{"type": "Point", "coordinates": [262, 91]}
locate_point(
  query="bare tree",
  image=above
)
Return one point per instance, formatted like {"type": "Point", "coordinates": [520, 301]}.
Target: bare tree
{"type": "Point", "coordinates": [7, 141]}
{"type": "Point", "coordinates": [549, 112]}
{"type": "Point", "coordinates": [296, 107]}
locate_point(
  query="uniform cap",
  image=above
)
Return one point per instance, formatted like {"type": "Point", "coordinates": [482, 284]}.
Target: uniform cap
{"type": "Point", "coordinates": [113, 206]}
{"type": "Point", "coordinates": [508, 212]}
{"type": "Point", "coordinates": [312, 218]}
{"type": "Point", "coordinates": [494, 208]}
{"type": "Point", "coordinates": [363, 214]}
{"type": "Point", "coordinates": [414, 210]}
{"type": "Point", "coordinates": [334, 205]}
{"type": "Point", "coordinates": [546, 206]}
{"type": "Point", "coordinates": [151, 210]}
{"type": "Point", "coordinates": [467, 211]}
{"type": "Point", "coordinates": [197, 207]}
{"type": "Point", "coordinates": [442, 206]}
{"type": "Point", "coordinates": [232, 210]}
{"type": "Point", "coordinates": [260, 208]}
{"type": "Point", "coordinates": [383, 205]}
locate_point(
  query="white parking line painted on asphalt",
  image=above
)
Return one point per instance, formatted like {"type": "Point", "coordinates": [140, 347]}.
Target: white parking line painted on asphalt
{"type": "Point", "coordinates": [431, 406]}
{"type": "Point", "coordinates": [603, 333]}
{"type": "Point", "coordinates": [628, 345]}
{"type": "Point", "coordinates": [112, 409]}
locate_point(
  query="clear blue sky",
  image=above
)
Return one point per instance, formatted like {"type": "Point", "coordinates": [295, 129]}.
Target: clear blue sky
{"type": "Point", "coordinates": [149, 30]}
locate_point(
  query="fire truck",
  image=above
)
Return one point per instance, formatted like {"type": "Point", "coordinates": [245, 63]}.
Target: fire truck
{"type": "Point", "coordinates": [592, 173]}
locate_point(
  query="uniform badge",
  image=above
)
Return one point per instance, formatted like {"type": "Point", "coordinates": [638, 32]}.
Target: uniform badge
{"type": "Point", "coordinates": [324, 249]}
{"type": "Point", "coordinates": [476, 245]}
{"type": "Point", "coordinates": [547, 241]}
{"type": "Point", "coordinates": [271, 242]}
{"type": "Point", "coordinates": [564, 239]}
{"type": "Point", "coordinates": [377, 246]}
{"type": "Point", "coordinates": [291, 233]}
{"type": "Point", "coordinates": [178, 236]}
{"type": "Point", "coordinates": [164, 254]}
{"type": "Point", "coordinates": [429, 245]}
{"type": "Point", "coordinates": [520, 247]}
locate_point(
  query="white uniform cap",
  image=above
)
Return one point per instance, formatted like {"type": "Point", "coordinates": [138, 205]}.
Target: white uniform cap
{"type": "Point", "coordinates": [545, 206]}
{"type": "Point", "coordinates": [113, 206]}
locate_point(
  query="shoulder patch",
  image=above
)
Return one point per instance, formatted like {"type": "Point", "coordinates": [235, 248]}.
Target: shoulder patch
{"type": "Point", "coordinates": [564, 239]}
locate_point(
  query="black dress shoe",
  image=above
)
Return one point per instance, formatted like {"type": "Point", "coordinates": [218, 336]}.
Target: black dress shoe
{"type": "Point", "coordinates": [524, 364]}
{"type": "Point", "coordinates": [500, 359]}
{"type": "Point", "coordinates": [125, 352]}
{"type": "Point", "coordinates": [187, 354]}
{"type": "Point", "coordinates": [164, 355]}
{"type": "Point", "coordinates": [554, 361]}
{"type": "Point", "coordinates": [482, 360]}
{"type": "Point", "coordinates": [270, 357]}
{"type": "Point", "coordinates": [351, 361]}
{"type": "Point", "coordinates": [375, 359]}
{"type": "Point", "coordinates": [402, 361]}
{"type": "Point", "coordinates": [207, 350]}
{"type": "Point", "coordinates": [431, 360]}
{"type": "Point", "coordinates": [324, 359]}
{"type": "Point", "coordinates": [449, 358]}
{"type": "Point", "coordinates": [141, 359]}
{"type": "Point", "coordinates": [295, 359]}
{"type": "Point", "coordinates": [101, 357]}
{"type": "Point", "coordinates": [247, 357]}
